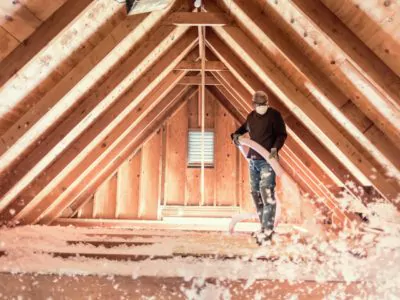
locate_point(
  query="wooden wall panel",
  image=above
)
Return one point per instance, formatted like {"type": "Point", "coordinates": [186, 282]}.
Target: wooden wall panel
{"type": "Point", "coordinates": [192, 175]}
{"type": "Point", "coordinates": [105, 199]}
{"type": "Point", "coordinates": [209, 118]}
{"type": "Point", "coordinates": [209, 183]}
{"type": "Point", "coordinates": [138, 182]}
{"type": "Point", "coordinates": [150, 178]}
{"type": "Point", "coordinates": [192, 186]}
{"type": "Point", "coordinates": [128, 188]}
{"type": "Point", "coordinates": [7, 43]}
{"type": "Point", "coordinates": [193, 110]}
{"type": "Point", "coordinates": [18, 20]}
{"type": "Point", "coordinates": [225, 158]}
{"type": "Point", "coordinates": [86, 211]}
{"type": "Point", "coordinates": [194, 107]}
{"type": "Point", "coordinates": [175, 172]}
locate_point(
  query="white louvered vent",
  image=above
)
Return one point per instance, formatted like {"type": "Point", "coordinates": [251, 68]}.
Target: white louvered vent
{"type": "Point", "coordinates": [194, 155]}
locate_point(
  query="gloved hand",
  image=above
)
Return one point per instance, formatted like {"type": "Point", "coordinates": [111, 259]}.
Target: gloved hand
{"type": "Point", "coordinates": [273, 153]}
{"type": "Point", "coordinates": [235, 138]}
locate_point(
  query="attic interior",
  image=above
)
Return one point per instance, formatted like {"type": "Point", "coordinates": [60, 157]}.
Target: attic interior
{"type": "Point", "coordinates": [118, 175]}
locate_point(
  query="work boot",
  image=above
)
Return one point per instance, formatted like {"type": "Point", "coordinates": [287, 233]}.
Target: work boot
{"type": "Point", "coordinates": [264, 237]}
{"type": "Point", "coordinates": [256, 233]}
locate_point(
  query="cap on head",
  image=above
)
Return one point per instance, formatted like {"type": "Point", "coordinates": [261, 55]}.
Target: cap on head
{"type": "Point", "coordinates": [260, 97]}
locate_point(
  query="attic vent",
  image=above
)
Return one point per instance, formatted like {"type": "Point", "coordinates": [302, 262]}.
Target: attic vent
{"type": "Point", "coordinates": [135, 7]}
{"type": "Point", "coordinates": [194, 143]}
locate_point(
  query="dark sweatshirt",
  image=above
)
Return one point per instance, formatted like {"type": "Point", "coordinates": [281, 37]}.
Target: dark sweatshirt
{"type": "Point", "coordinates": [268, 130]}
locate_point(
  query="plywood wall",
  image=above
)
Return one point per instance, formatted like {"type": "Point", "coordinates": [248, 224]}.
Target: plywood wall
{"type": "Point", "coordinates": [221, 181]}
{"type": "Point", "coordinates": [226, 158]}
{"type": "Point", "coordinates": [175, 165]}
{"type": "Point", "coordinates": [149, 200]}
{"type": "Point", "coordinates": [158, 173]}
{"type": "Point", "coordinates": [105, 199]}
{"type": "Point", "coordinates": [128, 188]}
{"type": "Point", "coordinates": [133, 192]}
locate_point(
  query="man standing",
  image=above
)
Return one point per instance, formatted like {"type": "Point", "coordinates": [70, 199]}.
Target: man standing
{"type": "Point", "coordinates": [267, 128]}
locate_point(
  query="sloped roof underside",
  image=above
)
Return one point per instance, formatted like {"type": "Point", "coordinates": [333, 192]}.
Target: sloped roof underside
{"type": "Point", "coordinates": [83, 84]}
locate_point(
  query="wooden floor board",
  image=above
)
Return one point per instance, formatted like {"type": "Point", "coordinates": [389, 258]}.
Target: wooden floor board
{"type": "Point", "coordinates": [36, 286]}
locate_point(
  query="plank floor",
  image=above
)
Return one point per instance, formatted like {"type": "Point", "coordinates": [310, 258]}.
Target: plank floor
{"type": "Point", "coordinates": [28, 286]}
{"type": "Point", "coordinates": [154, 264]}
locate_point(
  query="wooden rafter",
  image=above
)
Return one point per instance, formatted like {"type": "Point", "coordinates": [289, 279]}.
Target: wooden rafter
{"type": "Point", "coordinates": [227, 103]}
{"type": "Point", "coordinates": [196, 66]}
{"type": "Point", "coordinates": [137, 63]}
{"type": "Point", "coordinates": [88, 110]}
{"type": "Point", "coordinates": [108, 147]}
{"type": "Point", "coordinates": [124, 210]}
{"type": "Point", "coordinates": [37, 77]}
{"type": "Point", "coordinates": [60, 151]}
{"type": "Point", "coordinates": [196, 80]}
{"type": "Point", "coordinates": [69, 91]}
{"type": "Point", "coordinates": [345, 40]}
{"type": "Point", "coordinates": [324, 129]}
{"type": "Point", "coordinates": [61, 19]}
{"type": "Point", "coordinates": [197, 19]}
{"type": "Point", "coordinates": [375, 23]}
{"type": "Point", "coordinates": [75, 197]}
{"type": "Point", "coordinates": [103, 125]}
{"type": "Point", "coordinates": [321, 156]}
{"type": "Point", "coordinates": [366, 80]}
{"type": "Point", "coordinates": [315, 84]}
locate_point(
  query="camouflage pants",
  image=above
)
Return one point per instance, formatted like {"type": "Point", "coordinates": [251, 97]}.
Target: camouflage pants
{"type": "Point", "coordinates": [262, 183]}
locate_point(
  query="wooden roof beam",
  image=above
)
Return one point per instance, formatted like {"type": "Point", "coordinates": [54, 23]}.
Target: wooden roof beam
{"type": "Point", "coordinates": [77, 205]}
{"type": "Point", "coordinates": [325, 159]}
{"type": "Point", "coordinates": [68, 93]}
{"type": "Point", "coordinates": [235, 88]}
{"type": "Point", "coordinates": [63, 18]}
{"type": "Point", "coordinates": [313, 83]}
{"type": "Point", "coordinates": [323, 128]}
{"type": "Point", "coordinates": [196, 80]}
{"type": "Point", "coordinates": [98, 173]}
{"type": "Point", "coordinates": [364, 78]}
{"type": "Point", "coordinates": [18, 20]}
{"type": "Point", "coordinates": [222, 92]}
{"type": "Point", "coordinates": [94, 105]}
{"type": "Point", "coordinates": [381, 68]}
{"type": "Point", "coordinates": [375, 23]}
{"type": "Point", "coordinates": [43, 72]}
{"type": "Point", "coordinates": [105, 150]}
{"type": "Point", "coordinates": [240, 116]}
{"type": "Point", "coordinates": [99, 130]}
{"type": "Point", "coordinates": [106, 146]}
{"type": "Point", "coordinates": [244, 83]}
{"type": "Point", "coordinates": [197, 19]}
{"type": "Point", "coordinates": [57, 58]}
{"type": "Point", "coordinates": [196, 66]}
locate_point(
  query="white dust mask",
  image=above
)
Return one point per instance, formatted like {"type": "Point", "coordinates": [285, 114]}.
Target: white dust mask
{"type": "Point", "coordinates": [261, 109]}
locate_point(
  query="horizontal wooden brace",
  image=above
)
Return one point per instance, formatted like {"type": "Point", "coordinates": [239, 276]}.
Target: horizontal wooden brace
{"type": "Point", "coordinates": [197, 19]}
{"type": "Point", "coordinates": [196, 66]}
{"type": "Point", "coordinates": [196, 80]}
